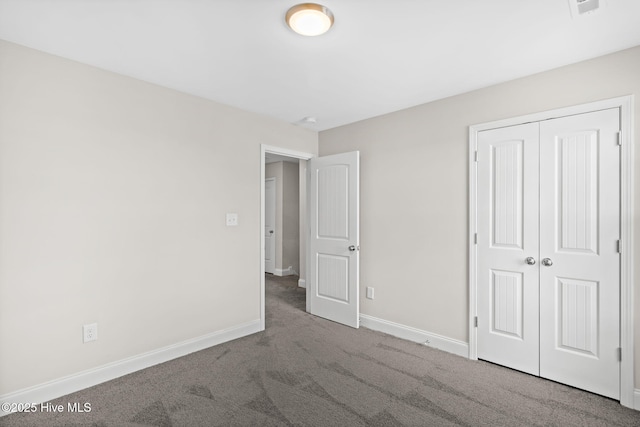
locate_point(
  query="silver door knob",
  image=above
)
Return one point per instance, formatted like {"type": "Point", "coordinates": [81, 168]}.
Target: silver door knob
{"type": "Point", "coordinates": [352, 248]}
{"type": "Point", "coordinates": [529, 260]}
{"type": "Point", "coordinates": [547, 262]}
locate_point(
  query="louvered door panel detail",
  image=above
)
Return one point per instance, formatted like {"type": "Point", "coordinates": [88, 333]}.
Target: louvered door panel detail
{"type": "Point", "coordinates": [578, 192]}
{"type": "Point", "coordinates": [333, 205]}
{"type": "Point", "coordinates": [506, 292]}
{"type": "Point", "coordinates": [333, 275]}
{"type": "Point", "coordinates": [577, 320]}
{"type": "Point", "coordinates": [507, 198]}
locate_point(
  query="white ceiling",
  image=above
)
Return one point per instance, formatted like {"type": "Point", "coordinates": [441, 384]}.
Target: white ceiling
{"type": "Point", "coordinates": [380, 56]}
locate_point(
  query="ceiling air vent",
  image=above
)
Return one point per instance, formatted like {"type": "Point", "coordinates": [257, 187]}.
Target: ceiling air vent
{"type": "Point", "coordinates": [581, 7]}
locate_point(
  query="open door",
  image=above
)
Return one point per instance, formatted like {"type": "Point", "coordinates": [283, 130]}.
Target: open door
{"type": "Point", "coordinates": [333, 275]}
{"type": "Point", "coordinates": [269, 225]}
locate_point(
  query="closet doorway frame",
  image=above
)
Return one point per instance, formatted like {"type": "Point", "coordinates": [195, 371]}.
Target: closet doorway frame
{"type": "Point", "coordinates": [625, 104]}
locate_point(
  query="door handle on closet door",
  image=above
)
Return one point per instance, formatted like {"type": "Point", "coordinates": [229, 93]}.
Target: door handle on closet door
{"type": "Point", "coordinates": [530, 260]}
{"type": "Point", "coordinates": [547, 262]}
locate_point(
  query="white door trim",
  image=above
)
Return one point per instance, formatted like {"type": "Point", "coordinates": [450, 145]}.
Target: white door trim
{"type": "Point", "coordinates": [283, 152]}
{"type": "Point", "coordinates": [625, 104]}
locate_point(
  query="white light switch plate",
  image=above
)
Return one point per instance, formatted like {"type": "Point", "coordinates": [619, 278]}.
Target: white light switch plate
{"type": "Point", "coordinates": [232, 219]}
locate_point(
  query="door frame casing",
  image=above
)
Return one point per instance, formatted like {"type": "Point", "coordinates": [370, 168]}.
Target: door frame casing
{"type": "Point", "coordinates": [264, 149]}
{"type": "Point", "coordinates": [625, 105]}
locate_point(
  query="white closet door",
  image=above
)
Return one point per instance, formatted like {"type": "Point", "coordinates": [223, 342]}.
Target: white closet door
{"type": "Point", "coordinates": [580, 265]}
{"type": "Point", "coordinates": [508, 235]}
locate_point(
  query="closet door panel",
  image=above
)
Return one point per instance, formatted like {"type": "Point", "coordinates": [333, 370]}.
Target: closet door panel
{"type": "Point", "coordinates": [507, 236]}
{"type": "Point", "coordinates": [579, 231]}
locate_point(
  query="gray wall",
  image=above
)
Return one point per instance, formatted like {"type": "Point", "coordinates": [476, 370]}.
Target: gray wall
{"type": "Point", "coordinates": [287, 214]}
{"type": "Point", "coordinates": [290, 216]}
{"type": "Point", "coordinates": [302, 182]}
{"type": "Point", "coordinates": [113, 195]}
{"type": "Point", "coordinates": [274, 170]}
{"type": "Point", "coordinates": [414, 188]}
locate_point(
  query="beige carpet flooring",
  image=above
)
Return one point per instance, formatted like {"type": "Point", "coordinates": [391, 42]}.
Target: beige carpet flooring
{"type": "Point", "coordinates": [307, 371]}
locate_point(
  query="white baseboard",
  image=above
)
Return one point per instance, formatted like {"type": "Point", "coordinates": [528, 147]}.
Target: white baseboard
{"type": "Point", "coordinates": [636, 399]}
{"type": "Point", "coordinates": [302, 283]}
{"type": "Point", "coordinates": [289, 271]}
{"type": "Point", "coordinates": [62, 386]}
{"type": "Point", "coordinates": [416, 335]}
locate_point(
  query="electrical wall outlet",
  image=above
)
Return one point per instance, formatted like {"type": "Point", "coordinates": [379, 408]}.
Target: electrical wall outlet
{"type": "Point", "coordinates": [90, 332]}
{"type": "Point", "coordinates": [369, 292]}
{"type": "Point", "coordinates": [232, 219]}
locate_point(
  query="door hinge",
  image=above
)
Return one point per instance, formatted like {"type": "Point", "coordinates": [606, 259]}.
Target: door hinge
{"type": "Point", "coordinates": [475, 156]}
{"type": "Point", "coordinates": [475, 321]}
{"type": "Point", "coordinates": [619, 354]}
{"type": "Point", "coordinates": [619, 247]}
{"type": "Point", "coordinates": [475, 238]}
{"type": "Point", "coordinates": [619, 137]}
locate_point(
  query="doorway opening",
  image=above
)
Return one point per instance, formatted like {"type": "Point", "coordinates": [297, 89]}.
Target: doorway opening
{"type": "Point", "coordinates": [282, 215]}
{"type": "Point", "coordinates": [288, 247]}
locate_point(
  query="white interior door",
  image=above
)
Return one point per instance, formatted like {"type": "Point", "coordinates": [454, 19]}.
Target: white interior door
{"type": "Point", "coordinates": [548, 269]}
{"type": "Point", "coordinates": [507, 237]}
{"type": "Point", "coordinates": [269, 225]}
{"type": "Point", "coordinates": [580, 228]}
{"type": "Point", "coordinates": [333, 272]}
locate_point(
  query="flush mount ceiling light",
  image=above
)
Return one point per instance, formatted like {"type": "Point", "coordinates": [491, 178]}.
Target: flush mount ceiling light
{"type": "Point", "coordinates": [309, 19]}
